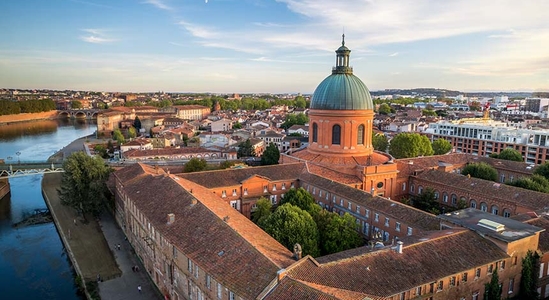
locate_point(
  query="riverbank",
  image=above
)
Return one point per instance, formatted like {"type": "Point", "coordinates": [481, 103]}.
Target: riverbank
{"type": "Point", "coordinates": [85, 243]}
{"type": "Point", "coordinates": [7, 119]}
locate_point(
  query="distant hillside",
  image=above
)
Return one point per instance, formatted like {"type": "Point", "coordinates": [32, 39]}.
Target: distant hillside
{"type": "Point", "coordinates": [441, 93]}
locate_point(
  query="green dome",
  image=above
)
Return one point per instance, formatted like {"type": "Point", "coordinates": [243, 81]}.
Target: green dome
{"type": "Point", "coordinates": [342, 91]}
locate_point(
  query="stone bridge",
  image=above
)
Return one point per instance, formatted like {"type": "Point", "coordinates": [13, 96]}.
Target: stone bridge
{"type": "Point", "coordinates": [79, 113]}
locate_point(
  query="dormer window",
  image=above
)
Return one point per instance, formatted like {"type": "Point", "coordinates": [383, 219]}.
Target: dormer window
{"type": "Point", "coordinates": [223, 194]}
{"type": "Point", "coordinates": [274, 187]}
{"type": "Point", "coordinates": [234, 192]}
{"type": "Point", "coordinates": [245, 191]}
{"type": "Point", "coordinates": [265, 190]}
{"type": "Point", "coordinates": [283, 185]}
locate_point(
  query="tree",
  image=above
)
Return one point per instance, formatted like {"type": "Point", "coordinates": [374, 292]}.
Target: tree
{"type": "Point", "coordinates": [302, 199]}
{"type": "Point", "coordinates": [384, 109]}
{"type": "Point", "coordinates": [237, 125]}
{"type": "Point", "coordinates": [379, 142]}
{"type": "Point", "coordinates": [195, 165]}
{"type": "Point", "coordinates": [405, 145]}
{"type": "Point", "coordinates": [263, 210]}
{"type": "Point", "coordinates": [291, 119]}
{"type": "Point", "coordinates": [246, 149]}
{"type": "Point", "coordinates": [101, 151]}
{"type": "Point", "coordinates": [118, 136]}
{"type": "Point", "coordinates": [426, 201]}
{"type": "Point", "coordinates": [290, 225]}
{"type": "Point", "coordinates": [492, 290]}
{"type": "Point", "coordinates": [75, 104]}
{"type": "Point", "coordinates": [83, 186]}
{"type": "Point", "coordinates": [271, 155]}
{"type": "Point", "coordinates": [529, 276]}
{"type": "Point", "coordinates": [339, 233]}
{"type": "Point", "coordinates": [509, 154]}
{"type": "Point", "coordinates": [481, 170]}
{"type": "Point", "coordinates": [137, 123]}
{"type": "Point", "coordinates": [300, 102]}
{"type": "Point", "coordinates": [132, 133]}
{"type": "Point", "coordinates": [536, 183]}
{"type": "Point", "coordinates": [441, 146]}
{"type": "Point", "coordinates": [226, 164]}
{"type": "Point", "coordinates": [542, 170]}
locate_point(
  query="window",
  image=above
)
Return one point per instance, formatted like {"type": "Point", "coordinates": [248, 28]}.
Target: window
{"type": "Point", "coordinates": [436, 195]}
{"type": "Point", "coordinates": [397, 226]}
{"type": "Point", "coordinates": [208, 282]}
{"type": "Point", "coordinates": [360, 135]}
{"type": "Point", "coordinates": [454, 199]}
{"type": "Point", "coordinates": [245, 191]}
{"type": "Point", "coordinates": [464, 277]}
{"type": "Point", "coordinates": [189, 265]}
{"type": "Point", "coordinates": [511, 285]}
{"type": "Point", "coordinates": [506, 213]}
{"type": "Point", "coordinates": [234, 192]}
{"type": "Point", "coordinates": [273, 199]}
{"type": "Point", "coordinates": [265, 189]}
{"type": "Point", "coordinates": [502, 178]}
{"type": "Point", "coordinates": [541, 269]}
{"type": "Point", "coordinates": [418, 290]}
{"type": "Point", "coordinates": [196, 269]}
{"type": "Point", "coordinates": [445, 197]}
{"type": "Point", "coordinates": [453, 281]}
{"type": "Point", "coordinates": [358, 209]}
{"type": "Point", "coordinates": [283, 185]}
{"type": "Point", "coordinates": [490, 269]}
{"type": "Point", "coordinates": [477, 273]}
{"type": "Point", "coordinates": [334, 199]}
{"type": "Point", "coordinates": [502, 265]}
{"type": "Point", "coordinates": [440, 285]}
{"type": "Point", "coordinates": [349, 205]}
{"type": "Point", "coordinates": [483, 207]}
{"type": "Point", "coordinates": [376, 217]}
{"type": "Point", "coordinates": [223, 194]}
{"type": "Point", "coordinates": [515, 261]}
{"type": "Point", "coordinates": [336, 135]}
{"type": "Point", "coordinates": [341, 202]}
{"type": "Point", "coordinates": [409, 231]}
{"type": "Point", "coordinates": [387, 222]}
{"type": "Point", "coordinates": [319, 193]}
{"type": "Point", "coordinates": [419, 189]}
{"type": "Point", "coordinates": [219, 291]}
{"type": "Point", "coordinates": [495, 210]}
{"type": "Point", "coordinates": [473, 204]}
{"type": "Point", "coordinates": [231, 295]}
{"type": "Point", "coordinates": [412, 188]}
{"type": "Point", "coordinates": [367, 213]}
{"type": "Point", "coordinates": [274, 187]}
{"type": "Point", "coordinates": [404, 186]}
{"type": "Point", "coordinates": [315, 133]}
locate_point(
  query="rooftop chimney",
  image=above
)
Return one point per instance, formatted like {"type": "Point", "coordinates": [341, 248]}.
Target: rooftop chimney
{"type": "Point", "coordinates": [399, 247]}
{"type": "Point", "coordinates": [280, 274]}
{"type": "Point", "coordinates": [171, 219]}
{"type": "Point", "coordinates": [193, 201]}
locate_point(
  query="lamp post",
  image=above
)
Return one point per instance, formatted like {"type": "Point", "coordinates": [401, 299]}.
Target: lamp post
{"type": "Point", "coordinates": [18, 160]}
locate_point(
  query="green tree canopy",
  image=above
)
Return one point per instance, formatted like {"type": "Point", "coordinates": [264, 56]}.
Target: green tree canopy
{"type": "Point", "coordinates": [195, 165]}
{"type": "Point", "coordinates": [76, 104]}
{"type": "Point", "coordinates": [536, 183]}
{"type": "Point", "coordinates": [271, 155]}
{"type": "Point", "coordinates": [300, 102]}
{"type": "Point", "coordinates": [118, 136]}
{"type": "Point", "coordinates": [237, 125]}
{"type": "Point", "coordinates": [529, 276]}
{"type": "Point", "coordinates": [291, 225]}
{"type": "Point", "coordinates": [245, 149]}
{"type": "Point", "coordinates": [405, 145]}
{"type": "Point", "coordinates": [492, 290]}
{"type": "Point", "coordinates": [379, 142]}
{"type": "Point", "coordinates": [481, 170]}
{"type": "Point", "coordinates": [101, 151]}
{"type": "Point", "coordinates": [301, 198]}
{"type": "Point", "coordinates": [426, 201]}
{"type": "Point", "coordinates": [263, 210]}
{"type": "Point", "coordinates": [337, 233]}
{"type": "Point", "coordinates": [441, 146]}
{"type": "Point", "coordinates": [132, 133]}
{"type": "Point", "coordinates": [509, 154]}
{"type": "Point", "coordinates": [83, 186]}
{"type": "Point", "coordinates": [384, 109]}
{"type": "Point", "coordinates": [292, 119]}
{"type": "Point", "coordinates": [542, 170]}
{"type": "Point", "coordinates": [137, 123]}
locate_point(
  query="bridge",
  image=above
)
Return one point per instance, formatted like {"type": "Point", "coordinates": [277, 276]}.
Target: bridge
{"type": "Point", "coordinates": [79, 113]}
{"type": "Point", "coordinates": [29, 168]}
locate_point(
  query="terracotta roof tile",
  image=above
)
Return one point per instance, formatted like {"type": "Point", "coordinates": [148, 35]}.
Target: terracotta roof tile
{"type": "Point", "coordinates": [385, 273]}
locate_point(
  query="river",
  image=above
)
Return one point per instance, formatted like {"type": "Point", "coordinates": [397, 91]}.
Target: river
{"type": "Point", "coordinates": [33, 263]}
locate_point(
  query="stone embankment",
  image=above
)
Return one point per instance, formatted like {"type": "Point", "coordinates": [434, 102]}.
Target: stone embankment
{"type": "Point", "coordinates": [27, 117]}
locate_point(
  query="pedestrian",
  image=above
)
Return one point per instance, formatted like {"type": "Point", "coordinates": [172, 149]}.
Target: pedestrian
{"type": "Point", "coordinates": [136, 268]}
{"type": "Point", "coordinates": [75, 224]}
{"type": "Point", "coordinates": [118, 246]}
{"type": "Point", "coordinates": [139, 288]}
{"type": "Point", "coordinates": [133, 268]}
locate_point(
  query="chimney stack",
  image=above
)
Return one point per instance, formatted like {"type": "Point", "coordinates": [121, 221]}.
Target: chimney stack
{"type": "Point", "coordinates": [280, 274]}
{"type": "Point", "coordinates": [171, 219]}
{"type": "Point", "coordinates": [399, 247]}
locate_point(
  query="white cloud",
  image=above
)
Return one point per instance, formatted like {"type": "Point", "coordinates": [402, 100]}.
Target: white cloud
{"type": "Point", "coordinates": [393, 54]}
{"type": "Point", "coordinates": [96, 36]}
{"type": "Point", "coordinates": [95, 39]}
{"type": "Point", "coordinates": [159, 4]}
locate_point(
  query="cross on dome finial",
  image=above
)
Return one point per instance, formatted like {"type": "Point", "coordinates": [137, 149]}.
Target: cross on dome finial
{"type": "Point", "coordinates": [343, 40]}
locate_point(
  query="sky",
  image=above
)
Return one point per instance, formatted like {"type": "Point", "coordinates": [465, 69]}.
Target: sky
{"type": "Point", "coordinates": [272, 46]}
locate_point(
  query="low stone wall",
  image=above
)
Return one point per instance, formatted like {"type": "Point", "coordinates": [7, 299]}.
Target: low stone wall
{"type": "Point", "coordinates": [4, 187]}
{"type": "Point", "coordinates": [28, 117]}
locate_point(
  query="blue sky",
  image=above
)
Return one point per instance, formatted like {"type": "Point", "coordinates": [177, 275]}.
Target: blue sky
{"type": "Point", "coordinates": [277, 46]}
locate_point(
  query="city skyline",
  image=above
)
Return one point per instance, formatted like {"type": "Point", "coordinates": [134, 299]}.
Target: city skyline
{"type": "Point", "coordinates": [283, 46]}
